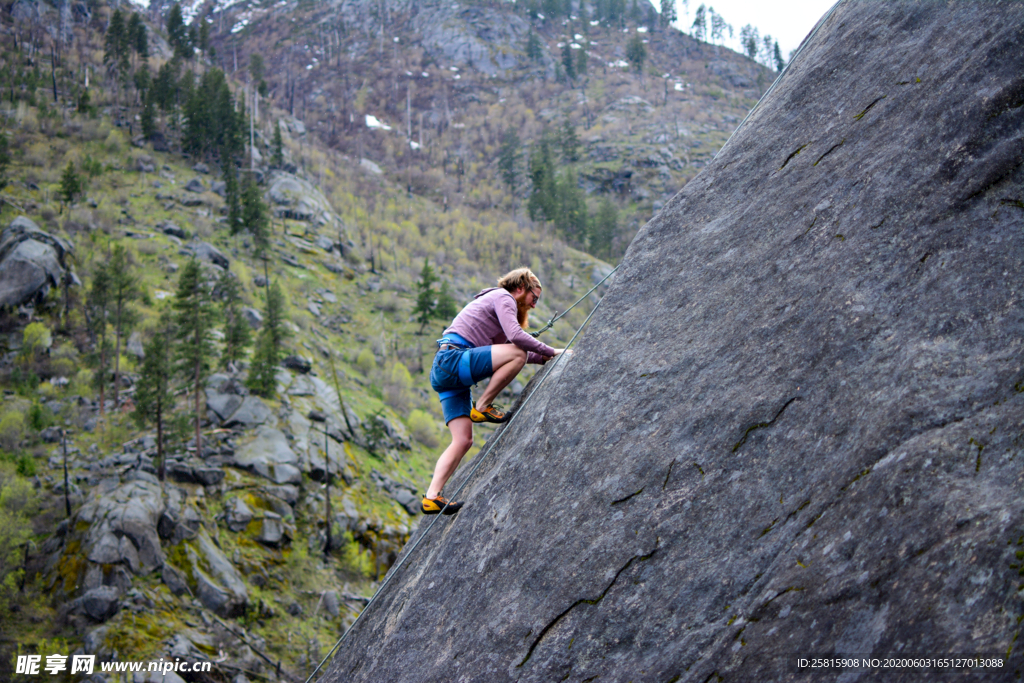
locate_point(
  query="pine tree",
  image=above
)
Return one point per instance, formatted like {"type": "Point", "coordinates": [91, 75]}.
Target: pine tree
{"type": "Point", "coordinates": [699, 28]}
{"type": "Point", "coordinates": [70, 184]}
{"type": "Point", "coordinates": [636, 52]}
{"type": "Point", "coordinates": [255, 216]}
{"type": "Point", "coordinates": [446, 308]}
{"type": "Point", "coordinates": [5, 162]}
{"type": "Point", "coordinates": [165, 85]}
{"type": "Point", "coordinates": [568, 62]}
{"type": "Point", "coordinates": [213, 121]}
{"type": "Point", "coordinates": [153, 395]}
{"type": "Point", "coordinates": [569, 142]}
{"type": "Point", "coordinates": [194, 319]}
{"type": "Point", "coordinates": [262, 379]}
{"type": "Point", "coordinates": [581, 60]}
{"type": "Point", "coordinates": [232, 196]}
{"type": "Point", "coordinates": [256, 67]}
{"type": "Point", "coordinates": [780, 63]}
{"type": "Point", "coordinates": [542, 202]}
{"type": "Point", "coordinates": [97, 311]}
{"type": "Point", "coordinates": [571, 219]}
{"type": "Point", "coordinates": [534, 49]}
{"type": "Point", "coordinates": [116, 42]}
{"type": "Point", "coordinates": [277, 147]}
{"type": "Point", "coordinates": [138, 38]}
{"type": "Point", "coordinates": [204, 37]}
{"type": "Point", "coordinates": [508, 161]}
{"type": "Point", "coordinates": [719, 26]}
{"type": "Point", "coordinates": [604, 228]}
{"type": "Point", "coordinates": [142, 82]}
{"type": "Point", "coordinates": [767, 51]}
{"type": "Point", "coordinates": [668, 12]}
{"type": "Point", "coordinates": [177, 33]}
{"type": "Point", "coordinates": [749, 38]}
{"type": "Point", "coordinates": [237, 335]}
{"type": "Point", "coordinates": [123, 290]}
{"type": "Point", "coordinates": [426, 307]}
{"type": "Point", "coordinates": [148, 118]}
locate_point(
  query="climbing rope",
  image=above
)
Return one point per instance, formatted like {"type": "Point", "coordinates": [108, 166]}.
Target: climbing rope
{"type": "Point", "coordinates": [554, 320]}
{"type": "Point", "coordinates": [785, 70]}
{"type": "Point", "coordinates": [476, 465]}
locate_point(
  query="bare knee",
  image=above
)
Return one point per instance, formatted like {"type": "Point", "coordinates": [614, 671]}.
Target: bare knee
{"type": "Point", "coordinates": [520, 358]}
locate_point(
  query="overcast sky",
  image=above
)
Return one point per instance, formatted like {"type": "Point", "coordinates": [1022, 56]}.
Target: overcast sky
{"type": "Point", "coordinates": [787, 22]}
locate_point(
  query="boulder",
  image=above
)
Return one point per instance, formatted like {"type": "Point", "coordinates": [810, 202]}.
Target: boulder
{"type": "Point", "coordinates": [301, 386]}
{"type": "Point", "coordinates": [296, 198]}
{"type": "Point", "coordinates": [403, 494]}
{"type": "Point", "coordinates": [223, 405]}
{"type": "Point", "coordinates": [251, 412]}
{"type": "Point", "coordinates": [220, 586]}
{"type": "Point", "coordinates": [794, 425]}
{"type": "Point", "coordinates": [31, 262]}
{"type": "Point", "coordinates": [208, 476]}
{"type": "Point", "coordinates": [170, 228]}
{"type": "Point", "coordinates": [175, 580]}
{"type": "Point", "coordinates": [253, 317]}
{"type": "Point", "coordinates": [237, 514]}
{"type": "Point", "coordinates": [114, 549]}
{"type": "Point", "coordinates": [330, 601]}
{"type": "Point", "coordinates": [99, 603]}
{"type": "Point", "coordinates": [219, 187]}
{"type": "Point", "coordinates": [200, 167]}
{"type": "Point", "coordinates": [271, 530]}
{"type": "Point", "coordinates": [270, 456]}
{"type": "Point", "coordinates": [195, 185]}
{"type": "Point", "coordinates": [287, 493]}
{"type": "Point", "coordinates": [122, 526]}
{"type": "Point", "coordinates": [298, 364]}
{"type": "Point", "coordinates": [204, 251]}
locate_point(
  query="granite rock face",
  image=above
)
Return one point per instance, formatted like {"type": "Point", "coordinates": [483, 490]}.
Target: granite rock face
{"type": "Point", "coordinates": [794, 426]}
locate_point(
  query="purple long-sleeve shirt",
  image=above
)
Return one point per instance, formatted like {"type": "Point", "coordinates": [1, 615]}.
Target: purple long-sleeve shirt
{"type": "Point", "coordinates": [490, 318]}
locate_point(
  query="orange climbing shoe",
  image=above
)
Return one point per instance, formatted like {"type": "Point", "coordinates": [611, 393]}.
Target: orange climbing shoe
{"type": "Point", "coordinates": [489, 414]}
{"type": "Point", "coordinates": [432, 506]}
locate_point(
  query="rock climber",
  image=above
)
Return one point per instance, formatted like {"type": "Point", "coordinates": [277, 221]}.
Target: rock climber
{"type": "Point", "coordinates": [486, 339]}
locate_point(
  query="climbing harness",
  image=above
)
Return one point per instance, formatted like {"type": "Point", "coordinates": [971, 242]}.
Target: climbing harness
{"type": "Point", "coordinates": [550, 323]}
{"type": "Point", "coordinates": [476, 465]}
{"type": "Point", "coordinates": [785, 70]}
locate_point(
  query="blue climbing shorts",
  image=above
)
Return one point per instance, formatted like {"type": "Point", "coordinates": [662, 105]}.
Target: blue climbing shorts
{"type": "Point", "coordinates": [453, 373]}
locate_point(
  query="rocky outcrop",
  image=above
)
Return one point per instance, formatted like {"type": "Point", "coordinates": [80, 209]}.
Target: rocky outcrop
{"type": "Point", "coordinates": [794, 425]}
{"type": "Point", "coordinates": [31, 262]}
{"type": "Point", "coordinates": [218, 584]}
{"type": "Point", "coordinates": [298, 199]}
{"type": "Point", "coordinates": [123, 526]}
{"type": "Point", "coordinates": [269, 455]}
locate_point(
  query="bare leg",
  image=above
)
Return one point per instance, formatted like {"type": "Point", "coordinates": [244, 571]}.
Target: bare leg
{"type": "Point", "coordinates": [462, 440]}
{"type": "Point", "coordinates": [506, 361]}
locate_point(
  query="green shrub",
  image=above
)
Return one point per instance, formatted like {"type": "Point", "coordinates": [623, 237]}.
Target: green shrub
{"type": "Point", "coordinates": [39, 417]}
{"type": "Point", "coordinates": [423, 428]}
{"type": "Point", "coordinates": [12, 428]}
{"type": "Point", "coordinates": [26, 465]}
{"type": "Point", "coordinates": [354, 559]}
{"type": "Point", "coordinates": [366, 361]}
{"type": "Point", "coordinates": [18, 505]}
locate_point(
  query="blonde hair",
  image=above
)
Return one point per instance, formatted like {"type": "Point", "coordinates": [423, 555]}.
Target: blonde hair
{"type": "Point", "coordinates": [520, 278]}
{"type": "Point", "coordinates": [524, 279]}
